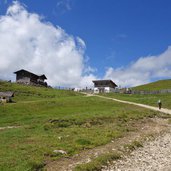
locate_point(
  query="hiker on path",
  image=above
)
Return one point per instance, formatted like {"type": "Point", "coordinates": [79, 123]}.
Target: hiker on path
{"type": "Point", "coordinates": [159, 104]}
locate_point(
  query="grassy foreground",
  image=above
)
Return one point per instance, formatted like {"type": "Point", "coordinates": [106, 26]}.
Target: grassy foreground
{"type": "Point", "coordinates": [52, 120]}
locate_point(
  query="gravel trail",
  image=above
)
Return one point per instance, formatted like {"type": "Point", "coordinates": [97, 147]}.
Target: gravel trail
{"type": "Point", "coordinates": [9, 127]}
{"type": "Point", "coordinates": [163, 110]}
{"type": "Point", "coordinates": [153, 156]}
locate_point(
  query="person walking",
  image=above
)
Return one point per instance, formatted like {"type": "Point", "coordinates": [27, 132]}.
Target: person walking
{"type": "Point", "coordinates": [159, 103]}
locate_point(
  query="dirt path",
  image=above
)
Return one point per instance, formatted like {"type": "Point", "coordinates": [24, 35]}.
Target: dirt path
{"type": "Point", "coordinates": [9, 127]}
{"type": "Point", "coordinates": [151, 126]}
{"type": "Point", "coordinates": [154, 156]}
{"type": "Point", "coordinates": [167, 111]}
{"type": "Point", "coordinates": [143, 129]}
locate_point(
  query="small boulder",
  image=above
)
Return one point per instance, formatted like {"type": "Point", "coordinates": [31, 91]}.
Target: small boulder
{"type": "Point", "coordinates": [60, 151]}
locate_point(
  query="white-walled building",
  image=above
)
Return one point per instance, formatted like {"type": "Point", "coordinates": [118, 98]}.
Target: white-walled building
{"type": "Point", "coordinates": [104, 86]}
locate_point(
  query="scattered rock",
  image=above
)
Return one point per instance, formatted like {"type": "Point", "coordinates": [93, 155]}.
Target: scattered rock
{"type": "Point", "coordinates": [154, 155]}
{"type": "Point", "coordinates": [60, 151]}
{"type": "Point", "coordinates": [9, 127]}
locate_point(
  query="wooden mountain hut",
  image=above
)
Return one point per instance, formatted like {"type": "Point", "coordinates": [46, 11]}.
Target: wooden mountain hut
{"type": "Point", "coordinates": [26, 77]}
{"type": "Point", "coordinates": [104, 86]}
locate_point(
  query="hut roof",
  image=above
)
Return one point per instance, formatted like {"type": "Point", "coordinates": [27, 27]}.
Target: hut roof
{"type": "Point", "coordinates": [22, 70]}
{"type": "Point", "coordinates": [7, 94]}
{"type": "Point", "coordinates": [104, 82]}
{"type": "Point", "coordinates": [42, 76]}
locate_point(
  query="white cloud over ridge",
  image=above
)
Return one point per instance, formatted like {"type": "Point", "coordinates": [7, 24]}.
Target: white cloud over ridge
{"type": "Point", "coordinates": [28, 42]}
{"type": "Point", "coordinates": [142, 71]}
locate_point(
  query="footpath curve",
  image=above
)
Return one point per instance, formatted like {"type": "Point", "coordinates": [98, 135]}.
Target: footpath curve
{"type": "Point", "coordinates": [163, 110]}
{"type": "Point", "coordinates": [151, 126]}
{"type": "Point", "coordinates": [153, 156]}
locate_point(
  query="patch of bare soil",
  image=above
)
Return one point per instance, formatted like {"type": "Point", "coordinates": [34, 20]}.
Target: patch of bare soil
{"type": "Point", "coordinates": [143, 128]}
{"type": "Point", "coordinates": [9, 127]}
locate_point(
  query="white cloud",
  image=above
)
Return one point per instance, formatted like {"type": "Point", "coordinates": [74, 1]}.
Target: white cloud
{"type": "Point", "coordinates": [81, 43]}
{"type": "Point", "coordinates": [28, 42]}
{"type": "Point", "coordinates": [87, 80]}
{"type": "Point", "coordinates": [144, 70]}
{"type": "Point", "coordinates": [62, 6]}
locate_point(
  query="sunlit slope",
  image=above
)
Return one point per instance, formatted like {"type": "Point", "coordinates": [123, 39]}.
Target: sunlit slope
{"type": "Point", "coordinates": [158, 85]}
{"type": "Point", "coordinates": [45, 120]}
{"type": "Point", "coordinates": [26, 92]}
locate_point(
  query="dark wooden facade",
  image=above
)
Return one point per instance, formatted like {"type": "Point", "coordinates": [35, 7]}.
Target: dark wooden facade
{"type": "Point", "coordinates": [104, 83]}
{"type": "Point", "coordinates": [26, 77]}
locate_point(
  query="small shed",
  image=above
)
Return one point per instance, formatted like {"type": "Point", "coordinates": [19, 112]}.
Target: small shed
{"type": "Point", "coordinates": [6, 96]}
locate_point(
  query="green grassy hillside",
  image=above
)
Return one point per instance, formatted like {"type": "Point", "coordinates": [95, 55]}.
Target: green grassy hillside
{"type": "Point", "coordinates": [149, 99]}
{"type": "Point", "coordinates": [49, 120]}
{"type": "Point", "coordinates": [25, 92]}
{"type": "Point", "coordinates": [158, 85]}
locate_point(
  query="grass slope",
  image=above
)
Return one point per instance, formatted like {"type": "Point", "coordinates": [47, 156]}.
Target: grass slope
{"type": "Point", "coordinates": [50, 119]}
{"type": "Point", "coordinates": [158, 85]}
{"type": "Point", "coordinates": [149, 99]}
{"type": "Point", "coordinates": [29, 93]}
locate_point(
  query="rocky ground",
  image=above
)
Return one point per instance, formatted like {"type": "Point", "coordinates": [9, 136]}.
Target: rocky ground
{"type": "Point", "coordinates": [145, 128]}
{"type": "Point", "coordinates": [153, 156]}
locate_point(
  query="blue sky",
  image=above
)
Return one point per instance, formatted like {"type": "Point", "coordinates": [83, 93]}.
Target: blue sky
{"type": "Point", "coordinates": [118, 34]}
